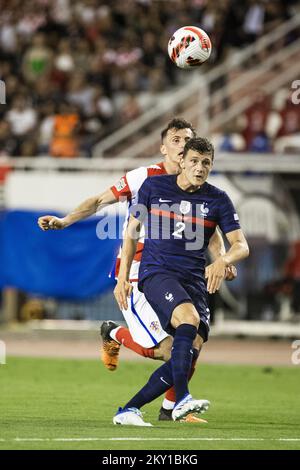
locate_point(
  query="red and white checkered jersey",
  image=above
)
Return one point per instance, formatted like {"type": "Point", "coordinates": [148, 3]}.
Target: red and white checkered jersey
{"type": "Point", "coordinates": [128, 187]}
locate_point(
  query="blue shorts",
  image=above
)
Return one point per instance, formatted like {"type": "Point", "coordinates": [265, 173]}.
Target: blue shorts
{"type": "Point", "coordinates": [165, 292]}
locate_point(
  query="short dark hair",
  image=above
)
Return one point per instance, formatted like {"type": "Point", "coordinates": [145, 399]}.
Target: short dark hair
{"type": "Point", "coordinates": [177, 123]}
{"type": "Point", "coordinates": [201, 145]}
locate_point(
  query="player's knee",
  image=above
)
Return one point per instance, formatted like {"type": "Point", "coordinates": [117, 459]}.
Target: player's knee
{"type": "Point", "coordinates": [185, 313]}
{"type": "Point", "coordinates": [193, 319]}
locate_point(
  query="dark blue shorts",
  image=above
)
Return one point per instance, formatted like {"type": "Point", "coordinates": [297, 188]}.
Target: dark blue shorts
{"type": "Point", "coordinates": [165, 292]}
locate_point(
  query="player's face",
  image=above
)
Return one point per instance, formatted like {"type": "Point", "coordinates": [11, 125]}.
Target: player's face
{"type": "Point", "coordinates": [174, 142]}
{"type": "Point", "coordinates": [196, 167]}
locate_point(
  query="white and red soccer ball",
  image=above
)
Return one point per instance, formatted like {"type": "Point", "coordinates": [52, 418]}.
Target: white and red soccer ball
{"type": "Point", "coordinates": [189, 47]}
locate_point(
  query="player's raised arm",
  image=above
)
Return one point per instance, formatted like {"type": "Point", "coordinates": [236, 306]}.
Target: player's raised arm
{"type": "Point", "coordinates": [88, 207]}
{"type": "Point", "coordinates": [123, 288]}
{"type": "Point", "coordinates": [239, 250]}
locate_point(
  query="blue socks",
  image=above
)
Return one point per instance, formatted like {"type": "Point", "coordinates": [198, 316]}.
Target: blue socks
{"type": "Point", "coordinates": [175, 371]}
{"type": "Point", "coordinates": [159, 382]}
{"type": "Point", "coordinates": [181, 359]}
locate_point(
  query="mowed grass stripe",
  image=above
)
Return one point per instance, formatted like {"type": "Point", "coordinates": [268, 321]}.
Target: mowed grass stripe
{"type": "Point", "coordinates": [88, 439]}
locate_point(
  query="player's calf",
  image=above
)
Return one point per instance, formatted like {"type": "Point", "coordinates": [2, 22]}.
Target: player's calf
{"type": "Point", "coordinates": [162, 351]}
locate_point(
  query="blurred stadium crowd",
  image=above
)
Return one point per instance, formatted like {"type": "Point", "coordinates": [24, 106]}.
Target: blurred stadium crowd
{"type": "Point", "coordinates": [77, 70]}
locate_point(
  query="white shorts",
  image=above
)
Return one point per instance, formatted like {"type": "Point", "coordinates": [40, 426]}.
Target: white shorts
{"type": "Point", "coordinates": [142, 321]}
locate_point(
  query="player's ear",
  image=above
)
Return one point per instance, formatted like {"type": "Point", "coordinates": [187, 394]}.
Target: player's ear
{"type": "Point", "coordinates": [163, 149]}
{"type": "Point", "coordinates": [182, 163]}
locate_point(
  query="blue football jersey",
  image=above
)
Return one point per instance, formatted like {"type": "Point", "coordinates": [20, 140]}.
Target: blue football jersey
{"type": "Point", "coordinates": [178, 225]}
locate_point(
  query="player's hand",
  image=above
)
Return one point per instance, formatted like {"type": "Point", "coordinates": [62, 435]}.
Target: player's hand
{"type": "Point", "coordinates": [231, 273]}
{"type": "Point", "coordinates": [122, 291]}
{"type": "Point", "coordinates": [215, 273]}
{"type": "Point", "coordinates": [50, 222]}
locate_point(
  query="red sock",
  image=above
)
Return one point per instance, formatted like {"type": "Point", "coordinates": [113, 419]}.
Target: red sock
{"type": "Point", "coordinates": [170, 394]}
{"type": "Point", "coordinates": [124, 337]}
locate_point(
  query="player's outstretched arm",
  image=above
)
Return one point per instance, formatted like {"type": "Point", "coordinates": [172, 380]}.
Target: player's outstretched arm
{"type": "Point", "coordinates": [216, 249]}
{"type": "Point", "coordinates": [239, 250]}
{"type": "Point", "coordinates": [123, 288]}
{"type": "Point", "coordinates": [85, 209]}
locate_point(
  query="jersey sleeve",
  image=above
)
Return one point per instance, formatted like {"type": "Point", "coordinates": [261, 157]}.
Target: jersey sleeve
{"type": "Point", "coordinates": [142, 204]}
{"type": "Point", "coordinates": [121, 188]}
{"type": "Point", "coordinates": [129, 184]}
{"type": "Point", "coordinates": [228, 217]}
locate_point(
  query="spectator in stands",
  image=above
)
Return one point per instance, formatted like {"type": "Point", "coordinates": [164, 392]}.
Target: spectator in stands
{"type": "Point", "coordinates": [290, 119]}
{"type": "Point", "coordinates": [260, 143]}
{"type": "Point", "coordinates": [102, 106]}
{"type": "Point", "coordinates": [81, 93]}
{"type": "Point", "coordinates": [253, 26]}
{"type": "Point", "coordinates": [255, 118]}
{"type": "Point", "coordinates": [230, 140]}
{"type": "Point", "coordinates": [65, 141]}
{"type": "Point", "coordinates": [64, 61]}
{"type": "Point", "coordinates": [37, 60]}
{"type": "Point", "coordinates": [61, 50]}
{"type": "Point", "coordinates": [130, 109]}
{"type": "Point", "coordinates": [46, 128]}
{"type": "Point", "coordinates": [22, 117]}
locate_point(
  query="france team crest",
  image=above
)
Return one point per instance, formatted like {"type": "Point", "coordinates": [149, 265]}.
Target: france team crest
{"type": "Point", "coordinates": [185, 207]}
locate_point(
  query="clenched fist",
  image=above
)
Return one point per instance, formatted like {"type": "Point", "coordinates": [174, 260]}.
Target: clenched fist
{"type": "Point", "coordinates": [50, 222]}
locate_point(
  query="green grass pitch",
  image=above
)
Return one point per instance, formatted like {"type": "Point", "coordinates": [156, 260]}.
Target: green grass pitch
{"type": "Point", "coordinates": [48, 401]}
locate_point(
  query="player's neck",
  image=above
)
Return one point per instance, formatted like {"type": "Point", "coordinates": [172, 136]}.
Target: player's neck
{"type": "Point", "coordinates": [172, 168]}
{"type": "Point", "coordinates": [185, 185]}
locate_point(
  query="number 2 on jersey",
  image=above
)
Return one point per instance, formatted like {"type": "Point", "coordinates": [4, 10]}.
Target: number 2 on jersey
{"type": "Point", "coordinates": [180, 226]}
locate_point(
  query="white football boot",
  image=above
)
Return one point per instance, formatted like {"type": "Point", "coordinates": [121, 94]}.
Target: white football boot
{"type": "Point", "coordinates": [129, 417]}
{"type": "Point", "coordinates": [187, 405]}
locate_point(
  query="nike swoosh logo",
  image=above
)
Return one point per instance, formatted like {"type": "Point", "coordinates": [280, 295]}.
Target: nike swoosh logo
{"type": "Point", "coordinates": [163, 380]}
{"type": "Point", "coordinates": [164, 200]}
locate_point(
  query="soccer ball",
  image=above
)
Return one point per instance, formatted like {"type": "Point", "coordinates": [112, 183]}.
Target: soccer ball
{"type": "Point", "coordinates": [189, 47]}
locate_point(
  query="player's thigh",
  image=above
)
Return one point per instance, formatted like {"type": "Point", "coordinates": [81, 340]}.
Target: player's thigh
{"type": "Point", "coordinates": [165, 293]}
{"type": "Point", "coordinates": [142, 321]}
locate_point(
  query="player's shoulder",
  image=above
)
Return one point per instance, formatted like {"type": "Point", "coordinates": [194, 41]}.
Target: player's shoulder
{"type": "Point", "coordinates": [146, 171]}
{"type": "Point", "coordinates": [214, 191]}
{"type": "Point", "coordinates": [156, 169]}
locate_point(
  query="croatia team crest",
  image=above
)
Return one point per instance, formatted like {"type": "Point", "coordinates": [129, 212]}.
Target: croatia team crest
{"type": "Point", "coordinates": [185, 207]}
{"type": "Point", "coordinates": [154, 325]}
